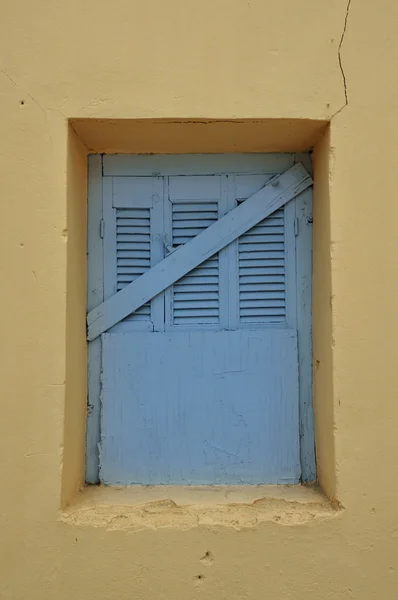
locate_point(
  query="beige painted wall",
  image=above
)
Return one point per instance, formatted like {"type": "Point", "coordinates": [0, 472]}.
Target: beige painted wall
{"type": "Point", "coordinates": [225, 60]}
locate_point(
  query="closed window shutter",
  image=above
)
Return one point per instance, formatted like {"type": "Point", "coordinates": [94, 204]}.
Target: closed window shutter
{"type": "Point", "coordinates": [133, 251]}
{"type": "Point", "coordinates": [261, 271]}
{"type": "Point", "coordinates": [195, 297]}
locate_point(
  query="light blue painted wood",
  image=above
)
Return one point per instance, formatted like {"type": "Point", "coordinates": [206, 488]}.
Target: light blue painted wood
{"type": "Point", "coordinates": [200, 408]}
{"type": "Point", "coordinates": [133, 212]}
{"type": "Point", "coordinates": [225, 285]}
{"type": "Point", "coordinates": [132, 191]}
{"type": "Point", "coordinates": [243, 164]}
{"type": "Point", "coordinates": [265, 298]}
{"type": "Point", "coordinates": [95, 296]}
{"type": "Point", "coordinates": [198, 164]}
{"type": "Point", "coordinates": [109, 241]}
{"type": "Point", "coordinates": [187, 257]}
{"type": "Point", "coordinates": [229, 256]}
{"type": "Point", "coordinates": [157, 248]}
{"type": "Point", "coordinates": [290, 265]}
{"type": "Point", "coordinates": [303, 206]}
{"type": "Point", "coordinates": [195, 204]}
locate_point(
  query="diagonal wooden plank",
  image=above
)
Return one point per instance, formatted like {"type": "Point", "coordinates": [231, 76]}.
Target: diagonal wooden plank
{"type": "Point", "coordinates": [275, 194]}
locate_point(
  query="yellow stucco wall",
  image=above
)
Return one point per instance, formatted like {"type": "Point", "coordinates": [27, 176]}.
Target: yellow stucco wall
{"type": "Point", "coordinates": [275, 64]}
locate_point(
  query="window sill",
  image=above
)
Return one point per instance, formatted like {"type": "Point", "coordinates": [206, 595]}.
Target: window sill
{"type": "Point", "coordinates": [140, 507]}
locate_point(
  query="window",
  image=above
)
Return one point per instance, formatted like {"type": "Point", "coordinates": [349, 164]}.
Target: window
{"type": "Point", "coordinates": [199, 320]}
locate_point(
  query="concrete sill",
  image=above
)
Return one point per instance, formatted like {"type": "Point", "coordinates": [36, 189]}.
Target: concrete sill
{"type": "Point", "coordinates": [141, 507]}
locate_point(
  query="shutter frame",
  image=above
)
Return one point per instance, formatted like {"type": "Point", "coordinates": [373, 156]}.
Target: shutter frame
{"type": "Point", "coordinates": [216, 237]}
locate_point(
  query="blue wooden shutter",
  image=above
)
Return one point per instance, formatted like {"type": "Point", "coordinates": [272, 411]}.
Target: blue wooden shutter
{"type": "Point", "coordinates": [261, 262]}
{"type": "Point", "coordinates": [229, 399]}
{"type": "Point", "coordinates": [195, 299]}
{"type": "Point", "coordinates": [133, 250]}
{"type": "Point", "coordinates": [134, 224]}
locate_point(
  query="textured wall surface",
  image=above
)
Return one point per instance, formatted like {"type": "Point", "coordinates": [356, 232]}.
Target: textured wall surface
{"type": "Point", "coordinates": [298, 63]}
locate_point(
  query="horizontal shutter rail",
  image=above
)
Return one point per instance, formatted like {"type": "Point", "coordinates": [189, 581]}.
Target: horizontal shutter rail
{"type": "Point", "coordinates": [133, 253]}
{"type": "Point", "coordinates": [128, 238]}
{"type": "Point", "coordinates": [133, 214]}
{"type": "Point", "coordinates": [192, 312]}
{"type": "Point", "coordinates": [260, 254]}
{"type": "Point", "coordinates": [197, 206]}
{"type": "Point", "coordinates": [252, 320]}
{"type": "Point", "coordinates": [132, 222]}
{"type": "Point", "coordinates": [194, 286]}
{"type": "Point", "coordinates": [203, 304]}
{"type": "Point", "coordinates": [133, 261]}
{"type": "Point", "coordinates": [263, 230]}
{"type": "Point", "coordinates": [273, 303]}
{"type": "Point", "coordinates": [257, 312]}
{"type": "Point", "coordinates": [262, 247]}
{"type": "Point", "coordinates": [183, 216]}
{"type": "Point", "coordinates": [268, 295]}
{"type": "Point", "coordinates": [130, 272]}
{"type": "Point", "coordinates": [265, 262]}
{"type": "Point", "coordinates": [188, 294]}
{"type": "Point", "coordinates": [250, 271]}
{"type": "Point", "coordinates": [133, 247]}
{"type": "Point", "coordinates": [258, 280]}
{"type": "Point", "coordinates": [189, 279]}
{"type": "Point", "coordinates": [128, 230]}
{"type": "Point", "coordinates": [249, 239]}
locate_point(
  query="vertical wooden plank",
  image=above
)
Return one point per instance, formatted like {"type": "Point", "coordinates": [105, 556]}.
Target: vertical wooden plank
{"type": "Point", "coordinates": [233, 267]}
{"type": "Point", "coordinates": [167, 239]}
{"type": "Point", "coordinates": [223, 261]}
{"type": "Point", "coordinates": [109, 242]}
{"type": "Point", "coordinates": [95, 295]}
{"type": "Point", "coordinates": [304, 326]}
{"type": "Point", "coordinates": [157, 248]}
{"type": "Point", "coordinates": [290, 264]}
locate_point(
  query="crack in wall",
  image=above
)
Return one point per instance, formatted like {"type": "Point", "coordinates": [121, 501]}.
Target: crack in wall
{"type": "Point", "coordinates": [343, 75]}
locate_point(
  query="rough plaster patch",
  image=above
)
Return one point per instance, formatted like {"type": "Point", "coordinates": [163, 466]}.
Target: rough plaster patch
{"type": "Point", "coordinates": [225, 507]}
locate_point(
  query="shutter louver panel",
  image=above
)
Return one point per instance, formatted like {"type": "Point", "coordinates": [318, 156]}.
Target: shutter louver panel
{"type": "Point", "coordinates": [195, 296]}
{"type": "Point", "coordinates": [133, 249]}
{"type": "Point", "coordinates": [261, 263]}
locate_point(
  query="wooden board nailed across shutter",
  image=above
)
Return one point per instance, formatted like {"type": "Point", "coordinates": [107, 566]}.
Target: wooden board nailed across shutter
{"type": "Point", "coordinates": [133, 250]}
{"type": "Point", "coordinates": [261, 255]}
{"type": "Point", "coordinates": [195, 296]}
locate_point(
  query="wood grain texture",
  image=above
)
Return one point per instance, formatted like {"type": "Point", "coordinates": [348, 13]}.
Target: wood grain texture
{"type": "Point", "coordinates": [196, 251]}
{"type": "Point", "coordinates": [175, 211]}
{"type": "Point", "coordinates": [198, 164]}
{"type": "Point", "coordinates": [200, 408]}
{"type": "Point", "coordinates": [303, 207]}
{"type": "Point", "coordinates": [95, 296]}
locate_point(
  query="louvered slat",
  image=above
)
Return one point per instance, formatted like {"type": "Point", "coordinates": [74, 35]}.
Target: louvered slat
{"type": "Point", "coordinates": [195, 296]}
{"type": "Point", "coordinates": [261, 257]}
{"type": "Point", "coordinates": [133, 251]}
